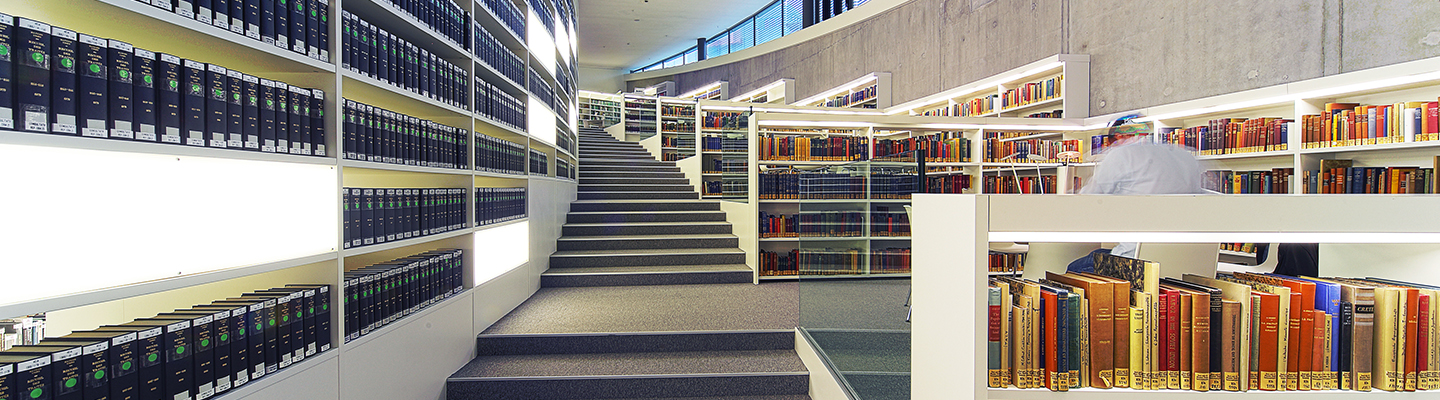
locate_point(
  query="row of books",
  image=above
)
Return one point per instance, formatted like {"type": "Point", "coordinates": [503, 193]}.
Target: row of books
{"type": "Point", "coordinates": [1022, 150]}
{"type": "Point", "coordinates": [805, 148]}
{"type": "Point", "coordinates": [378, 135]}
{"type": "Point", "coordinates": [1005, 262]}
{"type": "Point", "coordinates": [642, 104]}
{"type": "Point", "coordinates": [301, 26]}
{"type": "Point", "coordinates": [680, 142]}
{"type": "Point", "coordinates": [499, 155]}
{"type": "Point", "coordinates": [1233, 135]}
{"type": "Point", "coordinates": [884, 222]}
{"type": "Point", "coordinates": [499, 106]}
{"type": "Point", "coordinates": [1274, 181]}
{"type": "Point", "coordinates": [1032, 92]}
{"type": "Point", "coordinates": [682, 126]}
{"type": "Point", "coordinates": [725, 120]}
{"type": "Point", "coordinates": [937, 147]}
{"type": "Point", "coordinates": [539, 163]}
{"type": "Point", "coordinates": [496, 205]}
{"type": "Point", "coordinates": [1047, 114]}
{"type": "Point", "coordinates": [725, 144]}
{"type": "Point", "coordinates": [1003, 184]}
{"type": "Point", "coordinates": [682, 111]}
{"type": "Point", "coordinates": [374, 216]}
{"type": "Point", "coordinates": [857, 97]}
{"type": "Point", "coordinates": [1239, 247]}
{"type": "Point", "coordinates": [442, 16]}
{"type": "Point", "coordinates": [713, 94]}
{"type": "Point", "coordinates": [21, 331]}
{"type": "Point", "coordinates": [539, 88]}
{"type": "Point", "coordinates": [1354, 124]}
{"type": "Point", "coordinates": [567, 141]}
{"type": "Point", "coordinates": [970, 108]}
{"type": "Point", "coordinates": [948, 183]}
{"type": "Point", "coordinates": [191, 353]}
{"type": "Point", "coordinates": [789, 184]}
{"type": "Point", "coordinates": [394, 61]}
{"type": "Point", "coordinates": [891, 185]}
{"type": "Point", "coordinates": [831, 262]}
{"type": "Point", "coordinates": [495, 54]}
{"type": "Point", "coordinates": [70, 83]}
{"type": "Point", "coordinates": [508, 14]}
{"type": "Point", "coordinates": [1341, 176]}
{"type": "Point", "coordinates": [380, 294]}
{"type": "Point", "coordinates": [1124, 326]}
{"type": "Point", "coordinates": [813, 224]}
{"type": "Point", "coordinates": [1100, 143]}
{"type": "Point", "coordinates": [563, 169]}
{"type": "Point", "coordinates": [722, 165]}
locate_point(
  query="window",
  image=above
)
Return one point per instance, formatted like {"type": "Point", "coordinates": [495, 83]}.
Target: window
{"type": "Point", "coordinates": [673, 62]}
{"type": "Point", "coordinates": [717, 47]}
{"type": "Point", "coordinates": [794, 15]}
{"type": "Point", "coordinates": [692, 55]}
{"type": "Point", "coordinates": [743, 36]}
{"type": "Point", "coordinates": [769, 23]}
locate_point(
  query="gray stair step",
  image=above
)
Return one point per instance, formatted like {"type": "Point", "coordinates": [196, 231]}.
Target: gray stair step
{"type": "Point", "coordinates": [644, 216]}
{"type": "Point", "coordinates": [741, 385]}
{"type": "Point", "coordinates": [643, 205]}
{"type": "Point", "coordinates": [645, 228]}
{"type": "Point", "coordinates": [634, 181]}
{"type": "Point", "coordinates": [636, 188]}
{"type": "Point", "coordinates": [778, 397]}
{"type": "Point", "coordinates": [647, 275]}
{"type": "Point", "coordinates": [661, 167]}
{"type": "Point", "coordinates": [636, 195]}
{"type": "Point", "coordinates": [628, 162]}
{"type": "Point", "coordinates": [633, 342]}
{"type": "Point", "coordinates": [630, 257]}
{"type": "Point", "coordinates": [618, 242]}
{"type": "Point", "coordinates": [633, 174]}
{"type": "Point", "coordinates": [609, 155]}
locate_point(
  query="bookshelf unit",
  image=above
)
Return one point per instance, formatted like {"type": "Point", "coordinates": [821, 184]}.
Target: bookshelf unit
{"type": "Point", "coordinates": [949, 324]}
{"type": "Point", "coordinates": [678, 127]}
{"type": "Point", "coordinates": [871, 91]}
{"type": "Point", "coordinates": [718, 90]}
{"type": "Point", "coordinates": [642, 116]}
{"type": "Point", "coordinates": [987, 97]}
{"type": "Point", "coordinates": [258, 220]}
{"type": "Point", "coordinates": [599, 110]}
{"type": "Point", "coordinates": [778, 92]}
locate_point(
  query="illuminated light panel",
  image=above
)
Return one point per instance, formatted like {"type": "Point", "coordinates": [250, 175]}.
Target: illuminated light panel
{"type": "Point", "coordinates": [562, 42]}
{"type": "Point", "coordinates": [756, 93]}
{"type": "Point", "coordinates": [82, 220]}
{"type": "Point", "coordinates": [1216, 237]}
{"type": "Point", "coordinates": [542, 122]}
{"type": "Point", "coordinates": [1320, 93]}
{"type": "Point", "coordinates": [500, 250]}
{"type": "Point", "coordinates": [542, 46]}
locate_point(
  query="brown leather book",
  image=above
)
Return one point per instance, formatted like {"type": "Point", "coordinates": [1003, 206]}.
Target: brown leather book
{"type": "Point", "coordinates": [1120, 296]}
{"type": "Point", "coordinates": [1098, 294]}
{"type": "Point", "coordinates": [1230, 348]}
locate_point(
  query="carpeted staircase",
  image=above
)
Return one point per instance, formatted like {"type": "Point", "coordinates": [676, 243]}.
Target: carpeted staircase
{"type": "Point", "coordinates": [637, 223]}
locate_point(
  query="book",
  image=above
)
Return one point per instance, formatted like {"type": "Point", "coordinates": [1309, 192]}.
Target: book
{"type": "Point", "coordinates": [67, 368]}
{"type": "Point", "coordinates": [120, 379]}
{"type": "Point", "coordinates": [147, 112]}
{"type": "Point", "coordinates": [199, 348]}
{"type": "Point", "coordinates": [1139, 347]}
{"type": "Point", "coordinates": [216, 106]}
{"type": "Point", "coordinates": [24, 375]}
{"type": "Point", "coordinates": [169, 106]}
{"type": "Point", "coordinates": [7, 75]}
{"type": "Point", "coordinates": [150, 373]}
{"type": "Point", "coordinates": [1246, 332]}
{"type": "Point", "coordinates": [32, 75]}
{"type": "Point", "coordinates": [192, 103]}
{"type": "Point", "coordinates": [64, 82]}
{"type": "Point", "coordinates": [233, 323]}
{"type": "Point", "coordinates": [122, 90]}
{"type": "Point", "coordinates": [994, 354]}
{"type": "Point", "coordinates": [1101, 326]}
{"type": "Point", "coordinates": [235, 111]}
{"type": "Point", "coordinates": [1231, 362]}
{"type": "Point", "coordinates": [1142, 275]}
{"type": "Point", "coordinates": [92, 86]}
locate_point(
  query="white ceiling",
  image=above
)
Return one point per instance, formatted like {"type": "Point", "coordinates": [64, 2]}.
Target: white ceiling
{"type": "Point", "coordinates": [627, 34]}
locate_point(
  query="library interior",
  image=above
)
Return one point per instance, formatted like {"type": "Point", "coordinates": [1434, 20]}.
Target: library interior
{"type": "Point", "coordinates": [719, 199]}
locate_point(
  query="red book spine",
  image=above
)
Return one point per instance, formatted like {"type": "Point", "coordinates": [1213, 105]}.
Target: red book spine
{"type": "Point", "coordinates": [1422, 350]}
{"type": "Point", "coordinates": [1051, 369]}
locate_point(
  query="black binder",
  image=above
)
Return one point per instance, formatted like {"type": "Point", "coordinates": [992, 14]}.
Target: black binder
{"type": "Point", "coordinates": [282, 23]}
{"type": "Point", "coordinates": [231, 337]}
{"type": "Point", "coordinates": [202, 349]}
{"type": "Point", "coordinates": [192, 103]}
{"type": "Point", "coordinates": [282, 117]}
{"type": "Point", "coordinates": [253, 16]}
{"type": "Point", "coordinates": [317, 123]}
{"type": "Point", "coordinates": [221, 10]}
{"type": "Point", "coordinates": [122, 90]}
{"type": "Point", "coordinates": [269, 126]}
{"type": "Point", "coordinates": [298, 22]}
{"type": "Point", "coordinates": [7, 73]}
{"type": "Point", "coordinates": [64, 81]}
{"type": "Point", "coordinates": [66, 369]}
{"type": "Point", "coordinates": [235, 109]}
{"type": "Point", "coordinates": [146, 113]}
{"type": "Point", "coordinates": [121, 376]}
{"type": "Point", "coordinates": [251, 333]}
{"type": "Point", "coordinates": [251, 112]}
{"type": "Point", "coordinates": [217, 108]}
{"type": "Point", "coordinates": [94, 83]}
{"type": "Point", "coordinates": [168, 99]}
{"type": "Point", "coordinates": [312, 27]}
{"type": "Point", "coordinates": [269, 25]}
{"type": "Point", "coordinates": [299, 120]}
{"type": "Point", "coordinates": [150, 358]}
{"type": "Point", "coordinates": [94, 362]}
{"type": "Point", "coordinates": [24, 375]}
{"type": "Point", "coordinates": [32, 75]}
{"type": "Point", "coordinates": [323, 7]}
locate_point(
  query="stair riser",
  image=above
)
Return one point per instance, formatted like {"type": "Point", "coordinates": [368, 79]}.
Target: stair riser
{"type": "Point", "coordinates": [631, 181]}
{"type": "Point", "coordinates": [638, 155]}
{"type": "Point", "coordinates": [676, 206]}
{"type": "Point", "coordinates": [637, 195]}
{"type": "Point", "coordinates": [493, 345]}
{"type": "Point", "coordinates": [644, 230]}
{"type": "Point", "coordinates": [586, 161]}
{"type": "Point", "coordinates": [645, 260]}
{"type": "Point", "coordinates": [580, 388]}
{"type": "Point", "coordinates": [636, 188]}
{"type": "Point", "coordinates": [581, 245]}
{"type": "Point", "coordinates": [644, 279]}
{"type": "Point", "coordinates": [645, 217]}
{"type": "Point", "coordinates": [611, 173]}
{"type": "Point", "coordinates": [635, 172]}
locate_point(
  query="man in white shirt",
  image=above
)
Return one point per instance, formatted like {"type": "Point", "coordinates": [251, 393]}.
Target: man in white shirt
{"type": "Point", "coordinates": [1137, 166]}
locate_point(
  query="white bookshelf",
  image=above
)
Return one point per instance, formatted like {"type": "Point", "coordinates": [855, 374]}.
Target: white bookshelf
{"type": "Point", "coordinates": [877, 81]}
{"type": "Point", "coordinates": [342, 371]}
{"type": "Point", "coordinates": [1073, 97]}
{"type": "Point", "coordinates": [777, 92]}
{"type": "Point", "coordinates": [948, 324]}
{"type": "Point", "coordinates": [718, 90]}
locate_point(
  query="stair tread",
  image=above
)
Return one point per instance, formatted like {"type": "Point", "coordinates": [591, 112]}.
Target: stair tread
{"type": "Point", "coordinates": [646, 252]}
{"type": "Point", "coordinates": [641, 201]}
{"type": "Point", "coordinates": [642, 269]}
{"type": "Point", "coordinates": [627, 364]}
{"type": "Point", "coordinates": [648, 237]}
{"type": "Point", "coordinates": [645, 212]}
{"type": "Point", "coordinates": [662, 223]}
{"type": "Point", "coordinates": [775, 397]}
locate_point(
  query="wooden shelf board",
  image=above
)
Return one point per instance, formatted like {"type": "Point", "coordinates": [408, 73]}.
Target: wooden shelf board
{"type": "Point", "coordinates": [131, 146]}
{"type": "Point", "coordinates": [402, 168]}
{"type": "Point", "coordinates": [355, 251]}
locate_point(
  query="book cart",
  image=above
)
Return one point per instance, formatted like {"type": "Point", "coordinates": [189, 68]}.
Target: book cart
{"type": "Point", "coordinates": [161, 227]}
{"type": "Point", "coordinates": [949, 324]}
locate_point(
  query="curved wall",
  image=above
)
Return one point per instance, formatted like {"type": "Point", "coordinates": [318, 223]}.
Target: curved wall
{"type": "Point", "coordinates": [1143, 53]}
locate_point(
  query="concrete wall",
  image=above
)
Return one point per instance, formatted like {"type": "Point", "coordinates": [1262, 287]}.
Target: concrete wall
{"type": "Point", "coordinates": [602, 80]}
{"type": "Point", "coordinates": [1143, 53]}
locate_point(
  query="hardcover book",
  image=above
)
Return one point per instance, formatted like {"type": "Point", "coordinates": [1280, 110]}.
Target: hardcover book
{"type": "Point", "coordinates": [192, 103]}
{"type": "Point", "coordinates": [32, 75]}
{"type": "Point", "coordinates": [169, 103]}
{"type": "Point", "coordinates": [122, 90]}
{"type": "Point", "coordinates": [66, 369]}
{"type": "Point", "coordinates": [93, 87]}
{"type": "Point", "coordinates": [150, 351]}
{"type": "Point", "coordinates": [94, 367]}
{"type": "Point", "coordinates": [64, 81]}
{"type": "Point", "coordinates": [7, 76]}
{"type": "Point", "coordinates": [147, 115]}
{"type": "Point", "coordinates": [24, 375]}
